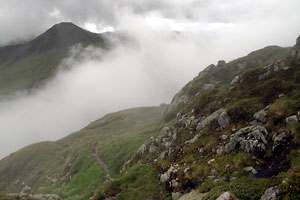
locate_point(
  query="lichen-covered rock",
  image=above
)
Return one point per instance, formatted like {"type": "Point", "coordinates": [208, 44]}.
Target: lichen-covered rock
{"type": "Point", "coordinates": [291, 119]}
{"type": "Point", "coordinates": [227, 196]}
{"type": "Point", "coordinates": [279, 140]}
{"type": "Point", "coordinates": [250, 139]}
{"type": "Point", "coordinates": [250, 169]}
{"type": "Point", "coordinates": [152, 148]}
{"type": "Point", "coordinates": [270, 194]}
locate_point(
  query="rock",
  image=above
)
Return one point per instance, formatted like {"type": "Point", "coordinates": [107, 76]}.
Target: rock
{"type": "Point", "coordinates": [176, 195]}
{"type": "Point", "coordinates": [26, 188]}
{"type": "Point", "coordinates": [264, 75]}
{"type": "Point", "coordinates": [152, 148]}
{"type": "Point", "coordinates": [193, 195]}
{"type": "Point", "coordinates": [250, 169]}
{"type": "Point", "coordinates": [191, 141]}
{"type": "Point", "coordinates": [227, 196]}
{"type": "Point", "coordinates": [250, 139]}
{"type": "Point", "coordinates": [224, 137]}
{"type": "Point", "coordinates": [291, 119]}
{"type": "Point", "coordinates": [211, 161]}
{"type": "Point", "coordinates": [220, 116]}
{"type": "Point", "coordinates": [165, 130]}
{"type": "Point", "coordinates": [142, 149]}
{"type": "Point", "coordinates": [261, 115]}
{"type": "Point", "coordinates": [162, 155]}
{"type": "Point", "coordinates": [166, 176]}
{"type": "Point", "coordinates": [270, 194]}
{"type": "Point", "coordinates": [279, 140]}
{"type": "Point", "coordinates": [221, 63]}
{"type": "Point", "coordinates": [235, 81]}
{"type": "Point", "coordinates": [208, 86]}
{"type": "Point", "coordinates": [223, 119]}
{"type": "Point", "coordinates": [174, 183]}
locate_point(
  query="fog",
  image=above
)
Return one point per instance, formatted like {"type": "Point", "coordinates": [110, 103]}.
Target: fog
{"type": "Point", "coordinates": [164, 55]}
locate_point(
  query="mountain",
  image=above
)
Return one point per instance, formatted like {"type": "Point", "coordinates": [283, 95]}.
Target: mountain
{"type": "Point", "coordinates": [24, 66]}
{"type": "Point", "coordinates": [231, 131]}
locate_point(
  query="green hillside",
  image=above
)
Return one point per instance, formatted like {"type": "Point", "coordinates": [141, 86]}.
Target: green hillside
{"type": "Point", "coordinates": [67, 166]}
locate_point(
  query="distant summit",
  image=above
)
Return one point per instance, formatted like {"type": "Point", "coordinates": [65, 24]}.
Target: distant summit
{"type": "Point", "coordinates": [59, 37]}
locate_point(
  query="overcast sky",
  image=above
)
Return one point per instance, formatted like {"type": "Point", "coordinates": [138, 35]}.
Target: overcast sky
{"type": "Point", "coordinates": [146, 75]}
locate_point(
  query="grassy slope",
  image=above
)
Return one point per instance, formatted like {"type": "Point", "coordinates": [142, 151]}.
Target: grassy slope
{"type": "Point", "coordinates": [72, 155]}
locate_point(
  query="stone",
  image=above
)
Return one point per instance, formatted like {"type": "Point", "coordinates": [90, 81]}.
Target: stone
{"type": "Point", "coordinates": [176, 195]}
{"type": "Point", "coordinates": [224, 137]}
{"type": "Point", "coordinates": [162, 155]}
{"type": "Point", "coordinates": [223, 119]}
{"type": "Point", "coordinates": [250, 139]}
{"type": "Point", "coordinates": [193, 195]}
{"type": "Point", "coordinates": [166, 176]}
{"type": "Point", "coordinates": [227, 196]}
{"type": "Point", "coordinates": [235, 81]}
{"type": "Point", "coordinates": [194, 139]}
{"type": "Point", "coordinates": [270, 194]}
{"type": "Point", "coordinates": [221, 63]}
{"type": "Point", "coordinates": [211, 161]}
{"type": "Point", "coordinates": [298, 41]}
{"type": "Point", "coordinates": [279, 140]}
{"type": "Point", "coordinates": [291, 119]}
{"type": "Point", "coordinates": [174, 183]}
{"type": "Point", "coordinates": [152, 148]}
{"type": "Point", "coordinates": [261, 116]}
{"type": "Point", "coordinates": [142, 149]}
{"type": "Point", "coordinates": [250, 169]}
{"type": "Point", "coordinates": [220, 116]}
{"type": "Point", "coordinates": [264, 75]}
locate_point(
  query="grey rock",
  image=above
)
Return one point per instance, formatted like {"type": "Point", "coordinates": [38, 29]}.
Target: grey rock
{"type": "Point", "coordinates": [166, 176]}
{"type": "Point", "coordinates": [298, 42]}
{"type": "Point", "coordinates": [193, 195]}
{"type": "Point", "coordinates": [227, 196]}
{"type": "Point", "coordinates": [224, 137]}
{"type": "Point", "coordinates": [211, 161]}
{"type": "Point", "coordinates": [279, 140]}
{"type": "Point", "coordinates": [235, 81]}
{"type": "Point", "coordinates": [250, 169]}
{"type": "Point", "coordinates": [152, 148]}
{"type": "Point", "coordinates": [270, 194]}
{"type": "Point", "coordinates": [264, 75]}
{"type": "Point", "coordinates": [291, 119]}
{"type": "Point", "coordinates": [220, 116]}
{"type": "Point", "coordinates": [142, 149]}
{"type": "Point", "coordinates": [194, 139]}
{"type": "Point", "coordinates": [261, 115]}
{"type": "Point", "coordinates": [162, 155]}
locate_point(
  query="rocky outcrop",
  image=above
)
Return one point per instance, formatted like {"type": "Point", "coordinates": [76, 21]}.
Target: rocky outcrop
{"type": "Point", "coordinates": [221, 63]}
{"type": "Point", "coordinates": [167, 175]}
{"type": "Point", "coordinates": [251, 139]}
{"type": "Point", "coordinates": [227, 196]}
{"type": "Point", "coordinates": [194, 139]}
{"type": "Point", "coordinates": [270, 194]}
{"type": "Point", "coordinates": [272, 67]}
{"type": "Point", "coordinates": [220, 117]}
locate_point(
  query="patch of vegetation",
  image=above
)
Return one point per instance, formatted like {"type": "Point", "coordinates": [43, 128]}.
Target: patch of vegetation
{"type": "Point", "coordinates": [140, 182]}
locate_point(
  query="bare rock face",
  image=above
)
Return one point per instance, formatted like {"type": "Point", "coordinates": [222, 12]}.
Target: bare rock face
{"type": "Point", "coordinates": [227, 196]}
{"type": "Point", "coordinates": [220, 116]}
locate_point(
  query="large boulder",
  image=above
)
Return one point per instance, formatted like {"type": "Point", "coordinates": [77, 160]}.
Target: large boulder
{"type": "Point", "coordinates": [270, 194]}
{"type": "Point", "coordinates": [227, 196]}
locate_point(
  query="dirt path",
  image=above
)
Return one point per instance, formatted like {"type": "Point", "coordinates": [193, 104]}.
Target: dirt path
{"type": "Point", "coordinates": [102, 163]}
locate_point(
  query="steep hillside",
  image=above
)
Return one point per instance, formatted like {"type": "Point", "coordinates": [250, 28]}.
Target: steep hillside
{"type": "Point", "coordinates": [234, 128]}
{"type": "Point", "coordinates": [69, 166]}
{"type": "Point", "coordinates": [26, 65]}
